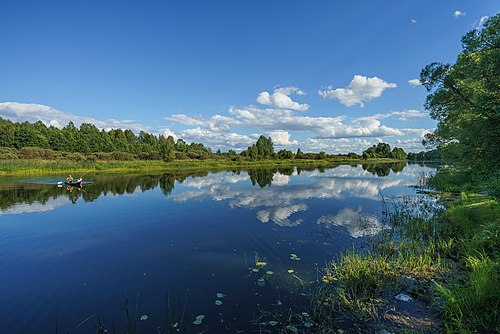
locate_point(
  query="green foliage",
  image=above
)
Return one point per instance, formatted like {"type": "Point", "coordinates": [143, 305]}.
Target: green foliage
{"type": "Point", "coordinates": [465, 100]}
{"type": "Point", "coordinates": [36, 141]}
{"type": "Point", "coordinates": [383, 150]}
{"type": "Point", "coordinates": [432, 155]}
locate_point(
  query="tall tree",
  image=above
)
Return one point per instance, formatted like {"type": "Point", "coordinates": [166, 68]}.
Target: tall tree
{"type": "Point", "coordinates": [465, 100]}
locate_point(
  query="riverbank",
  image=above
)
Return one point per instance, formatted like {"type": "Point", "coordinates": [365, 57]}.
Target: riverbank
{"type": "Point", "coordinates": [433, 269]}
{"type": "Point", "coordinates": [35, 166]}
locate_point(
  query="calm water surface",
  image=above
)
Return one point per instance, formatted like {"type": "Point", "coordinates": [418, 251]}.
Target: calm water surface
{"type": "Point", "coordinates": [68, 255]}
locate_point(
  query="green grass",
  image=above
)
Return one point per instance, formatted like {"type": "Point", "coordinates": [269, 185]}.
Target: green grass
{"type": "Point", "coordinates": [34, 166]}
{"type": "Point", "coordinates": [452, 255]}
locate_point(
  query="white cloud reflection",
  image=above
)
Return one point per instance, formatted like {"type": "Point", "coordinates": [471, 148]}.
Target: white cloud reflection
{"type": "Point", "coordinates": [287, 195]}
{"type": "Point", "coordinates": [36, 207]}
{"type": "Point", "coordinates": [357, 223]}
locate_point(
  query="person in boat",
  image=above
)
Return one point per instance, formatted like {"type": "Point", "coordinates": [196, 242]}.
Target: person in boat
{"type": "Point", "coordinates": [69, 178]}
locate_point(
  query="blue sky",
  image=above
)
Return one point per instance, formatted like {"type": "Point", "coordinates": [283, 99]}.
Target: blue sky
{"type": "Point", "coordinates": [320, 75]}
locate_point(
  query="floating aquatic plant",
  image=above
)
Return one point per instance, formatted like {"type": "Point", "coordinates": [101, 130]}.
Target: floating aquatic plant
{"type": "Point", "coordinates": [269, 272]}
{"type": "Point", "coordinates": [308, 324]}
{"type": "Point", "coordinates": [144, 317]}
{"type": "Point", "coordinates": [305, 314]}
{"type": "Point", "coordinates": [199, 319]}
{"type": "Point", "coordinates": [291, 271]}
{"type": "Point", "coordinates": [294, 257]}
{"type": "Point", "coordinates": [220, 295]}
{"type": "Point", "coordinates": [273, 323]}
{"type": "Point", "coordinates": [218, 302]}
{"type": "Point", "coordinates": [261, 282]}
{"type": "Point", "coordinates": [261, 264]}
{"type": "Point", "coordinates": [292, 328]}
{"type": "Point", "coordinates": [255, 270]}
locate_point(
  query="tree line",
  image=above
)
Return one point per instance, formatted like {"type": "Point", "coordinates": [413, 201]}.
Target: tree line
{"type": "Point", "coordinates": [38, 141]}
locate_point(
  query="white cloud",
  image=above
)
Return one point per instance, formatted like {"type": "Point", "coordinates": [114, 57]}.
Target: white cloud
{"type": "Point", "coordinates": [458, 13]}
{"type": "Point", "coordinates": [185, 119]}
{"type": "Point", "coordinates": [323, 127]}
{"type": "Point", "coordinates": [413, 21]}
{"type": "Point", "coordinates": [399, 115]}
{"type": "Point", "coordinates": [361, 89]}
{"type": "Point", "coordinates": [282, 137]}
{"type": "Point", "coordinates": [280, 98]}
{"type": "Point", "coordinates": [415, 82]}
{"type": "Point", "coordinates": [21, 112]}
{"type": "Point", "coordinates": [167, 132]}
{"type": "Point", "coordinates": [216, 140]}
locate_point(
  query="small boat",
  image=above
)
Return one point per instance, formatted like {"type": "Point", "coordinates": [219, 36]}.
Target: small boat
{"type": "Point", "coordinates": [74, 183]}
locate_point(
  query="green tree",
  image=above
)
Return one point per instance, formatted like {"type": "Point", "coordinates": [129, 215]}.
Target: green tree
{"type": "Point", "coordinates": [264, 146]}
{"type": "Point", "coordinates": [465, 100]}
{"type": "Point", "coordinates": [398, 153]}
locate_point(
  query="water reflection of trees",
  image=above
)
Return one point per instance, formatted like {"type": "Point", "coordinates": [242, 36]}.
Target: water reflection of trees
{"type": "Point", "coordinates": [29, 193]}
{"type": "Point", "coordinates": [385, 168]}
{"type": "Point", "coordinates": [26, 193]}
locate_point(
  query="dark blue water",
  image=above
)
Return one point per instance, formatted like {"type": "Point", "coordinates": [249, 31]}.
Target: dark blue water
{"type": "Point", "coordinates": [69, 258]}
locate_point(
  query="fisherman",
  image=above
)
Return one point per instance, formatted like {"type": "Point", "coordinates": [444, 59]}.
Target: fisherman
{"type": "Point", "coordinates": [69, 178]}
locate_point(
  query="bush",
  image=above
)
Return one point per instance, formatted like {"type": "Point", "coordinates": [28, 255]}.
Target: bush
{"type": "Point", "coordinates": [8, 156]}
{"type": "Point", "coordinates": [149, 156]}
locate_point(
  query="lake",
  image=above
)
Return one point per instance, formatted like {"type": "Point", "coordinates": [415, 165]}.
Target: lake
{"type": "Point", "coordinates": [71, 259]}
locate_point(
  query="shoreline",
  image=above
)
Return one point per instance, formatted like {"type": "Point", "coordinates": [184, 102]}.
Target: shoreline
{"type": "Point", "coordinates": [35, 166]}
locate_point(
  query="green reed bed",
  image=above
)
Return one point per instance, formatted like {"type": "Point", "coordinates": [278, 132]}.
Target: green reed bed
{"type": "Point", "coordinates": [40, 166]}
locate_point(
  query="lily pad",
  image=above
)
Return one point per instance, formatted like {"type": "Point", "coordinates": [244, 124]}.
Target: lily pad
{"type": "Point", "coordinates": [273, 323]}
{"type": "Point", "coordinates": [293, 255]}
{"type": "Point", "coordinates": [261, 282]}
{"type": "Point", "coordinates": [218, 302]}
{"type": "Point", "coordinates": [220, 295]}
{"type": "Point", "coordinates": [200, 317]}
{"type": "Point", "coordinates": [144, 317]}
{"type": "Point", "coordinates": [305, 314]}
{"type": "Point", "coordinates": [292, 328]}
{"type": "Point", "coordinates": [308, 324]}
{"type": "Point", "coordinates": [197, 322]}
{"type": "Point", "coordinates": [269, 272]}
{"type": "Point", "coordinates": [291, 271]}
{"type": "Point", "coordinates": [255, 270]}
{"type": "Point", "coordinates": [261, 264]}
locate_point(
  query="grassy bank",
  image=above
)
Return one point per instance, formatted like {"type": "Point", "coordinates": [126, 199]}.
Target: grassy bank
{"type": "Point", "coordinates": [447, 260]}
{"type": "Point", "coordinates": [34, 166]}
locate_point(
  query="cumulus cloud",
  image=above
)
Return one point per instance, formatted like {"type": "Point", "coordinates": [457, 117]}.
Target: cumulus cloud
{"type": "Point", "coordinates": [361, 89]}
{"type": "Point", "coordinates": [281, 137]}
{"type": "Point", "coordinates": [215, 139]}
{"type": "Point", "coordinates": [21, 112]}
{"type": "Point", "coordinates": [415, 82]}
{"type": "Point", "coordinates": [280, 98]}
{"type": "Point", "coordinates": [321, 127]}
{"type": "Point", "coordinates": [458, 13]}
{"type": "Point", "coordinates": [413, 21]}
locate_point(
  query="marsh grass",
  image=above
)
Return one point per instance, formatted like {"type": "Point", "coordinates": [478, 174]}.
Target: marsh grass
{"type": "Point", "coordinates": [40, 166]}
{"type": "Point", "coordinates": [361, 284]}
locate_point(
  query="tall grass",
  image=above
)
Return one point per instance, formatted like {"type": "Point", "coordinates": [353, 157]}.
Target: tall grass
{"type": "Point", "coordinates": [38, 166]}
{"type": "Point", "coordinates": [451, 254]}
